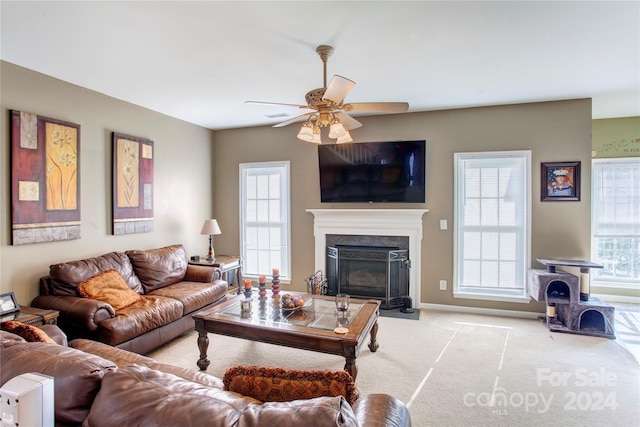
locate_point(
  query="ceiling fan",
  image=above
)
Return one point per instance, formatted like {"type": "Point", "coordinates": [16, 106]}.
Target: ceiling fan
{"type": "Point", "coordinates": [329, 110]}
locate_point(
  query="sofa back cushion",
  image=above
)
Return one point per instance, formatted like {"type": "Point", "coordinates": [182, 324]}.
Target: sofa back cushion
{"type": "Point", "coordinates": [65, 277]}
{"type": "Point", "coordinates": [160, 267]}
{"type": "Point", "coordinates": [77, 375]}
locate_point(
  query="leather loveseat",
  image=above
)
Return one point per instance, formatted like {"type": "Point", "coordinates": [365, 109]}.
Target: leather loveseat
{"type": "Point", "coordinates": [167, 291]}
{"type": "Point", "coordinates": [99, 385]}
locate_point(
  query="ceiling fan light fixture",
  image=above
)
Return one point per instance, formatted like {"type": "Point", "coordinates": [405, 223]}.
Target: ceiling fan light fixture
{"type": "Point", "coordinates": [344, 138]}
{"type": "Point", "coordinates": [336, 130]}
{"type": "Point", "coordinates": [306, 132]}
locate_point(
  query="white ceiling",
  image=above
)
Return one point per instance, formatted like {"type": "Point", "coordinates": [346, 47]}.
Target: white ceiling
{"type": "Point", "coordinates": [200, 61]}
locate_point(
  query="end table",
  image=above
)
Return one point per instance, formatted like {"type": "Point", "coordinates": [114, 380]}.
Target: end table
{"type": "Point", "coordinates": [33, 316]}
{"type": "Point", "coordinates": [230, 265]}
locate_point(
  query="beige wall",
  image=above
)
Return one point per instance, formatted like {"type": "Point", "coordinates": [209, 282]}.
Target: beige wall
{"type": "Point", "coordinates": [182, 176]}
{"type": "Point", "coordinates": [616, 137]}
{"type": "Point", "coordinates": [553, 131]}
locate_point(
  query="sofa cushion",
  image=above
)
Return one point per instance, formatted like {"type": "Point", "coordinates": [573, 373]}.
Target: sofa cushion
{"type": "Point", "coordinates": [77, 376]}
{"type": "Point", "coordinates": [109, 287]}
{"type": "Point", "coordinates": [28, 332]}
{"type": "Point", "coordinates": [194, 295]}
{"type": "Point", "coordinates": [65, 277]}
{"type": "Point", "coordinates": [148, 313]}
{"type": "Point", "coordinates": [161, 267]}
{"type": "Point", "coordinates": [282, 385]}
{"type": "Point", "coordinates": [165, 399]}
{"type": "Point", "coordinates": [161, 399]}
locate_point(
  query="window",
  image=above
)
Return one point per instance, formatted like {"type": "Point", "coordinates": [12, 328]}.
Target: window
{"type": "Point", "coordinates": [491, 217]}
{"type": "Point", "coordinates": [264, 218]}
{"type": "Point", "coordinates": [615, 222]}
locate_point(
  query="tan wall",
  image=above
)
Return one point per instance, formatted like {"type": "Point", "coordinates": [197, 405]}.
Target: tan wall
{"type": "Point", "coordinates": [182, 176]}
{"type": "Point", "coordinates": [616, 137]}
{"type": "Point", "coordinates": [554, 131]}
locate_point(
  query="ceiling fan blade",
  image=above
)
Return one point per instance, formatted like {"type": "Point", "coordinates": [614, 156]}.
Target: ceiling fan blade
{"type": "Point", "coordinates": [277, 103]}
{"type": "Point", "coordinates": [347, 121]}
{"type": "Point", "coordinates": [338, 89]}
{"type": "Point", "coordinates": [295, 119]}
{"type": "Point", "coordinates": [377, 107]}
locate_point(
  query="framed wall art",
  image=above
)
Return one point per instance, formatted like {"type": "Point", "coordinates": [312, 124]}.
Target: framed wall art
{"type": "Point", "coordinates": [560, 181]}
{"type": "Point", "coordinates": [45, 179]}
{"type": "Point", "coordinates": [132, 184]}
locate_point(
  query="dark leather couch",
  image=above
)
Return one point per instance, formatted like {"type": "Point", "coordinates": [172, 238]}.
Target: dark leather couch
{"type": "Point", "coordinates": [171, 289]}
{"type": "Point", "coordinates": [99, 385]}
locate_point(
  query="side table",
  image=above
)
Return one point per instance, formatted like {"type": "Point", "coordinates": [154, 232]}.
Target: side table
{"type": "Point", "coordinates": [33, 316]}
{"type": "Point", "coordinates": [230, 265]}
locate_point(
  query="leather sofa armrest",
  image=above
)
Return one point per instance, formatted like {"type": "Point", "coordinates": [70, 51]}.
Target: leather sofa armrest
{"type": "Point", "coordinates": [381, 410]}
{"type": "Point", "coordinates": [55, 333]}
{"type": "Point", "coordinates": [201, 273]}
{"type": "Point", "coordinates": [82, 313]}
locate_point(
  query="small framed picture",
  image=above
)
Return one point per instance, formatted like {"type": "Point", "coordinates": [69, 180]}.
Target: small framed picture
{"type": "Point", "coordinates": [8, 304]}
{"type": "Point", "coordinates": [560, 181]}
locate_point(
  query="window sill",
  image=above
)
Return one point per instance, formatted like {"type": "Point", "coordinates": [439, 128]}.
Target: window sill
{"type": "Point", "coordinates": [492, 297]}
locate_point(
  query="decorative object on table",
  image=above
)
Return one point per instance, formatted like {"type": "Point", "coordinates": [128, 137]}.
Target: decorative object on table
{"type": "Point", "coordinates": [294, 302]}
{"type": "Point", "coordinates": [262, 287]}
{"type": "Point", "coordinates": [245, 308]}
{"type": "Point", "coordinates": [316, 283]}
{"type": "Point", "coordinates": [342, 305]}
{"type": "Point", "coordinates": [560, 181]}
{"type": "Point", "coordinates": [247, 288]}
{"type": "Point", "coordinates": [132, 184]}
{"type": "Point", "coordinates": [211, 228]}
{"type": "Point", "coordinates": [8, 304]}
{"type": "Point", "coordinates": [45, 179]}
{"type": "Point", "coordinates": [275, 283]}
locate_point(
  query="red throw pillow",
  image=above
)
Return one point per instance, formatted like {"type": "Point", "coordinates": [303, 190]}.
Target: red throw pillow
{"type": "Point", "coordinates": [283, 385]}
{"type": "Point", "coordinates": [28, 332]}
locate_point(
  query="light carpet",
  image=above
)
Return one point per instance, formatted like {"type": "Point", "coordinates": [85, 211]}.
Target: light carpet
{"type": "Point", "coordinates": [457, 369]}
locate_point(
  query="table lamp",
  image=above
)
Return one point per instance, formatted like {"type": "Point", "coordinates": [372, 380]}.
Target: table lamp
{"type": "Point", "coordinates": [210, 227]}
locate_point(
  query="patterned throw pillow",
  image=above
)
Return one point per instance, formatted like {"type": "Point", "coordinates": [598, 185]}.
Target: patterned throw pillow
{"type": "Point", "coordinates": [28, 332]}
{"type": "Point", "coordinates": [283, 385]}
{"type": "Point", "coordinates": [109, 287]}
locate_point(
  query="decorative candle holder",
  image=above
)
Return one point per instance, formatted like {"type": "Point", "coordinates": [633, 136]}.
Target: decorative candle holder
{"type": "Point", "coordinates": [245, 308]}
{"type": "Point", "coordinates": [342, 305]}
{"type": "Point", "coordinates": [275, 286]}
{"type": "Point", "coordinates": [247, 288]}
{"type": "Point", "coordinates": [262, 290]}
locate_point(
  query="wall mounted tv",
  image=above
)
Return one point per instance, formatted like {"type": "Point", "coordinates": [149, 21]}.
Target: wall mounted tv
{"type": "Point", "coordinates": [372, 172]}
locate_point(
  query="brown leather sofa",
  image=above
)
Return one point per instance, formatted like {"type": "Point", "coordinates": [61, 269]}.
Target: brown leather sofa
{"type": "Point", "coordinates": [171, 290]}
{"type": "Point", "coordinates": [99, 385]}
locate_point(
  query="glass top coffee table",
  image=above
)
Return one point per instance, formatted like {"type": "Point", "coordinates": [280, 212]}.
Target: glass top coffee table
{"type": "Point", "coordinates": [312, 327]}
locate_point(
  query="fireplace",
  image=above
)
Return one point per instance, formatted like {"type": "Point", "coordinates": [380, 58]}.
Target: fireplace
{"type": "Point", "coordinates": [370, 272]}
{"type": "Point", "coordinates": [371, 224]}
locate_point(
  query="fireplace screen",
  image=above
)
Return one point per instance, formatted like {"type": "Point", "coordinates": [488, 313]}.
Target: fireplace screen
{"type": "Point", "coordinates": [369, 272]}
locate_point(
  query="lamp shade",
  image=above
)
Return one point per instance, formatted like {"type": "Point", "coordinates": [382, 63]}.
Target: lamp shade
{"type": "Point", "coordinates": [344, 138]}
{"type": "Point", "coordinates": [210, 227]}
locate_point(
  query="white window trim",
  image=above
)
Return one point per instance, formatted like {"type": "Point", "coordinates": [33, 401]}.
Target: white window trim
{"type": "Point", "coordinates": [620, 284]}
{"type": "Point", "coordinates": [284, 278]}
{"type": "Point", "coordinates": [457, 293]}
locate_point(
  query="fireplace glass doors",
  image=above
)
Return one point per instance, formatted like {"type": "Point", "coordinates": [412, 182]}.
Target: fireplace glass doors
{"type": "Point", "coordinates": [369, 272]}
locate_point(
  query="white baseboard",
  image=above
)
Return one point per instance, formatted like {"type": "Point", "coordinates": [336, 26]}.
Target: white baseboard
{"type": "Point", "coordinates": [478, 310]}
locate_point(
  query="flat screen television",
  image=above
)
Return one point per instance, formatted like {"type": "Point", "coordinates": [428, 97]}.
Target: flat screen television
{"type": "Point", "coordinates": [372, 172]}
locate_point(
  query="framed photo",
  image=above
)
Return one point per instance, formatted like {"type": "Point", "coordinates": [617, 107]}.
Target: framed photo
{"type": "Point", "coordinates": [560, 181]}
{"type": "Point", "coordinates": [8, 303]}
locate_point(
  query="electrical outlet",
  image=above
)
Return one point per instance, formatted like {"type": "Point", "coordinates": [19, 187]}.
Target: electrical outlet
{"type": "Point", "coordinates": [443, 285]}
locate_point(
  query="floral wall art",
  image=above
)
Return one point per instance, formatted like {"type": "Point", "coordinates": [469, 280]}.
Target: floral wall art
{"type": "Point", "coordinates": [45, 179]}
{"type": "Point", "coordinates": [132, 184]}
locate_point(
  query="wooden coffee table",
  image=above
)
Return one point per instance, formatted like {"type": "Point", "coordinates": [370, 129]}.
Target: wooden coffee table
{"type": "Point", "coordinates": [309, 328]}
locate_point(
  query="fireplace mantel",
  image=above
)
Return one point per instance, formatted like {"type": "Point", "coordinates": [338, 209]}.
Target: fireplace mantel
{"type": "Point", "coordinates": [372, 222]}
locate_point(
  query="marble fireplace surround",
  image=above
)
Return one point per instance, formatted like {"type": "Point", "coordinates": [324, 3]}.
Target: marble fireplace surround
{"type": "Point", "coordinates": [372, 222]}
